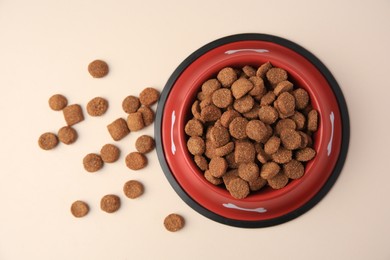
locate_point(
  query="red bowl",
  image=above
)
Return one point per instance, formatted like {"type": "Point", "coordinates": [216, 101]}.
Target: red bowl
{"type": "Point", "coordinates": [266, 207]}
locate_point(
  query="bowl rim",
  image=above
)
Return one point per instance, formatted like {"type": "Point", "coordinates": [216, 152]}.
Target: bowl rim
{"type": "Point", "coordinates": [345, 128]}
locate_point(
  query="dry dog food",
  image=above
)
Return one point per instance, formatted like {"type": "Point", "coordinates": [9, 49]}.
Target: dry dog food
{"type": "Point", "coordinates": [109, 153]}
{"type": "Point", "coordinates": [149, 96]}
{"type": "Point", "coordinates": [79, 209]}
{"type": "Point", "coordinates": [92, 162]}
{"type": "Point", "coordinates": [67, 135]}
{"type": "Point", "coordinates": [110, 203]}
{"type": "Point", "coordinates": [118, 129]}
{"type": "Point", "coordinates": [144, 144]}
{"type": "Point", "coordinates": [131, 104]}
{"type": "Point", "coordinates": [251, 127]}
{"type": "Point", "coordinates": [48, 141]}
{"type": "Point", "coordinates": [147, 115]}
{"type": "Point", "coordinates": [98, 68]}
{"type": "Point", "coordinates": [58, 102]}
{"type": "Point", "coordinates": [174, 222]}
{"type": "Point", "coordinates": [97, 106]}
{"type": "Point", "coordinates": [136, 161]}
{"type": "Point", "coordinates": [73, 114]}
{"type": "Point", "coordinates": [135, 121]}
{"type": "Point", "coordinates": [133, 189]}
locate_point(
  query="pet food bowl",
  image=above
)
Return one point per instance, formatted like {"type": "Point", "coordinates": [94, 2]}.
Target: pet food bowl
{"type": "Point", "coordinates": [266, 207]}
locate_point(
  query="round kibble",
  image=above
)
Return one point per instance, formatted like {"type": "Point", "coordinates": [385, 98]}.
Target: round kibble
{"type": "Point", "coordinates": [241, 87]}
{"type": "Point", "coordinates": [227, 76]}
{"type": "Point", "coordinates": [218, 166]}
{"type": "Point", "coordinates": [261, 155]}
{"type": "Point", "coordinates": [92, 162]}
{"type": "Point", "coordinates": [231, 160]}
{"type": "Point", "coordinates": [268, 114]}
{"type": "Point", "coordinates": [257, 184]}
{"type": "Point", "coordinates": [222, 98]}
{"type": "Point", "coordinates": [237, 128]}
{"type": "Point", "coordinates": [135, 121]}
{"type": "Point", "coordinates": [284, 124]}
{"type": "Point", "coordinates": [248, 171]}
{"type": "Point", "coordinates": [294, 169]}
{"type": "Point", "coordinates": [282, 155]}
{"type": "Point", "coordinates": [301, 98]}
{"type": "Point", "coordinates": [256, 130]}
{"type": "Point", "coordinates": [98, 68]}
{"type": "Point", "coordinates": [244, 104]}
{"type": "Point", "coordinates": [253, 113]}
{"type": "Point", "coordinates": [238, 188]}
{"type": "Point", "coordinates": [263, 69]}
{"type": "Point", "coordinates": [278, 181]}
{"type": "Point", "coordinates": [244, 152]}
{"type": "Point", "coordinates": [210, 86]}
{"type": "Point", "coordinates": [286, 103]}
{"type": "Point", "coordinates": [109, 153]}
{"type": "Point", "coordinates": [267, 99]}
{"type": "Point", "coordinates": [206, 102]}
{"type": "Point", "coordinates": [306, 139]}
{"type": "Point", "coordinates": [144, 144]}
{"type": "Point", "coordinates": [269, 170]}
{"type": "Point", "coordinates": [174, 222]}
{"type": "Point", "coordinates": [136, 161]}
{"type": "Point", "coordinates": [48, 141]}
{"type": "Point", "coordinates": [58, 102]}
{"type": "Point", "coordinates": [305, 154]}
{"type": "Point", "coordinates": [196, 145]}
{"type": "Point", "coordinates": [290, 138]}
{"type": "Point", "coordinates": [299, 120]}
{"type": "Point", "coordinates": [249, 71]}
{"type": "Point", "coordinates": [201, 162]}
{"type": "Point", "coordinates": [133, 189]}
{"type": "Point", "coordinates": [131, 104]}
{"type": "Point", "coordinates": [149, 96]}
{"type": "Point", "coordinates": [230, 175]}
{"type": "Point", "coordinates": [283, 86]}
{"type": "Point", "coordinates": [79, 209]}
{"type": "Point", "coordinates": [228, 116]}
{"type": "Point", "coordinates": [219, 135]}
{"type": "Point", "coordinates": [97, 106]}
{"type": "Point", "coordinates": [276, 75]}
{"type": "Point", "coordinates": [67, 135]}
{"type": "Point", "coordinates": [272, 145]}
{"type": "Point", "coordinates": [209, 149]}
{"type": "Point", "coordinates": [195, 109]}
{"type": "Point", "coordinates": [312, 120]}
{"type": "Point", "coordinates": [258, 86]}
{"type": "Point", "coordinates": [110, 203]}
{"type": "Point", "coordinates": [224, 150]}
{"type": "Point", "coordinates": [212, 179]}
{"type": "Point", "coordinates": [210, 113]}
{"type": "Point", "coordinates": [147, 115]}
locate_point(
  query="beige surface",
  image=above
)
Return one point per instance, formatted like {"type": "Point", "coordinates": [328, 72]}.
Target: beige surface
{"type": "Point", "coordinates": [45, 47]}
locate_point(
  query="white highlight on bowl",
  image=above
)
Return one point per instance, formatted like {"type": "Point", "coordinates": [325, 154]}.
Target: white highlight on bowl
{"type": "Point", "coordinates": [232, 206]}
{"type": "Point", "coordinates": [331, 117]}
{"type": "Point", "coordinates": [241, 50]}
{"type": "Point", "coordinates": [173, 119]}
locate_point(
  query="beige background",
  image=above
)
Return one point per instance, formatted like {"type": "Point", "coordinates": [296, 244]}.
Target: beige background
{"type": "Point", "coordinates": [45, 47]}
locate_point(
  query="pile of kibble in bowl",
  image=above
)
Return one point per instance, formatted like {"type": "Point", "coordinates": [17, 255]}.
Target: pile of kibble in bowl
{"type": "Point", "coordinates": [251, 128]}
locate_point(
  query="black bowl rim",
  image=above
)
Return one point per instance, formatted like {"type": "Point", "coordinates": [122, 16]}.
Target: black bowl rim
{"type": "Point", "coordinates": [344, 140]}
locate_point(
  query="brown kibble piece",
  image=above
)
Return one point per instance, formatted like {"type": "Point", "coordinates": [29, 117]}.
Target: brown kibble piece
{"type": "Point", "coordinates": [290, 138]}
{"type": "Point", "coordinates": [294, 169]}
{"type": "Point", "coordinates": [92, 162]}
{"type": "Point", "coordinates": [282, 155]}
{"type": "Point", "coordinates": [73, 114]}
{"type": "Point", "coordinates": [230, 158]}
{"type": "Point", "coordinates": [219, 135]}
{"type": "Point", "coordinates": [272, 145]}
{"type": "Point", "coordinates": [256, 130]}
{"type": "Point", "coordinates": [267, 99]}
{"type": "Point", "coordinates": [258, 86]}
{"type": "Point", "coordinates": [218, 167]}
{"type": "Point", "coordinates": [222, 98]}
{"type": "Point", "coordinates": [48, 141]}
{"type": "Point", "coordinates": [253, 113]}
{"type": "Point", "coordinates": [261, 155]}
{"type": "Point", "coordinates": [249, 71]}
{"type": "Point", "coordinates": [147, 115]}
{"type": "Point", "coordinates": [196, 145]}
{"type": "Point", "coordinates": [268, 114]}
{"type": "Point", "coordinates": [210, 149]}
{"type": "Point", "coordinates": [301, 98]}
{"type": "Point", "coordinates": [210, 86]}
{"type": "Point", "coordinates": [224, 150]}
{"type": "Point", "coordinates": [67, 135]}
{"type": "Point", "coordinates": [263, 69]}
{"type": "Point", "coordinates": [248, 171]}
{"type": "Point", "coordinates": [79, 209]}
{"type": "Point", "coordinates": [244, 104]}
{"type": "Point", "coordinates": [278, 181]}
{"type": "Point", "coordinates": [306, 139]}
{"type": "Point", "coordinates": [212, 179]}
{"type": "Point", "coordinates": [237, 128]}
{"type": "Point", "coordinates": [174, 222]}
{"type": "Point", "coordinates": [118, 129]}
{"type": "Point", "coordinates": [58, 102]}
{"type": "Point", "coordinates": [136, 161]}
{"type": "Point", "coordinates": [299, 120]}
{"type": "Point", "coordinates": [131, 104]}
{"type": "Point", "coordinates": [230, 175]}
{"type": "Point", "coordinates": [244, 152]}
{"type": "Point", "coordinates": [276, 75]}
{"type": "Point", "coordinates": [210, 113]}
{"type": "Point", "coordinates": [133, 189]}
{"type": "Point", "coordinates": [312, 120]}
{"type": "Point", "coordinates": [109, 153]}
{"type": "Point", "coordinates": [284, 86]}
{"type": "Point", "coordinates": [283, 124]}
{"type": "Point", "coordinates": [227, 76]}
{"type": "Point", "coordinates": [201, 162]}
{"type": "Point", "coordinates": [286, 103]}
{"type": "Point", "coordinates": [144, 144]}
{"type": "Point", "coordinates": [97, 106]}
{"type": "Point", "coordinates": [238, 188]}
{"type": "Point", "coordinates": [110, 203]}
{"type": "Point", "coordinates": [195, 109]}
{"type": "Point", "coordinates": [269, 170]}
{"type": "Point", "coordinates": [135, 121]}
{"type": "Point", "coordinates": [305, 154]}
{"type": "Point", "coordinates": [241, 87]}
{"type": "Point", "coordinates": [149, 96]}
{"type": "Point", "coordinates": [194, 127]}
{"type": "Point", "coordinates": [257, 184]}
{"type": "Point", "coordinates": [228, 116]}
{"type": "Point", "coordinates": [206, 101]}
{"type": "Point", "coordinates": [98, 68]}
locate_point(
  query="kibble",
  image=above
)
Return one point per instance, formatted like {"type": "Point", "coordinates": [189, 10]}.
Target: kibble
{"type": "Point", "coordinates": [73, 114]}
{"type": "Point", "coordinates": [147, 115]}
{"type": "Point", "coordinates": [79, 209]}
{"type": "Point", "coordinates": [133, 189]}
{"type": "Point", "coordinates": [110, 203]}
{"type": "Point", "coordinates": [149, 96]}
{"type": "Point", "coordinates": [98, 68]}
{"type": "Point", "coordinates": [145, 144]}
{"type": "Point", "coordinates": [136, 161]}
{"type": "Point", "coordinates": [305, 154]}
{"type": "Point", "coordinates": [174, 222]}
{"type": "Point", "coordinates": [222, 98]}
{"type": "Point", "coordinates": [131, 104]}
{"type": "Point", "coordinates": [278, 181]}
{"type": "Point", "coordinates": [109, 153]}
{"type": "Point", "coordinates": [227, 76]}
{"type": "Point", "coordinates": [135, 121]}
{"type": "Point", "coordinates": [58, 102]}
{"type": "Point", "coordinates": [48, 141]}
{"type": "Point", "coordinates": [92, 162]}
{"type": "Point", "coordinates": [210, 86]}
{"type": "Point", "coordinates": [248, 171]}
{"type": "Point", "coordinates": [312, 121]}
{"type": "Point", "coordinates": [294, 169]}
{"type": "Point", "coordinates": [118, 129]}
{"type": "Point", "coordinates": [241, 87]}
{"type": "Point", "coordinates": [67, 135]}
